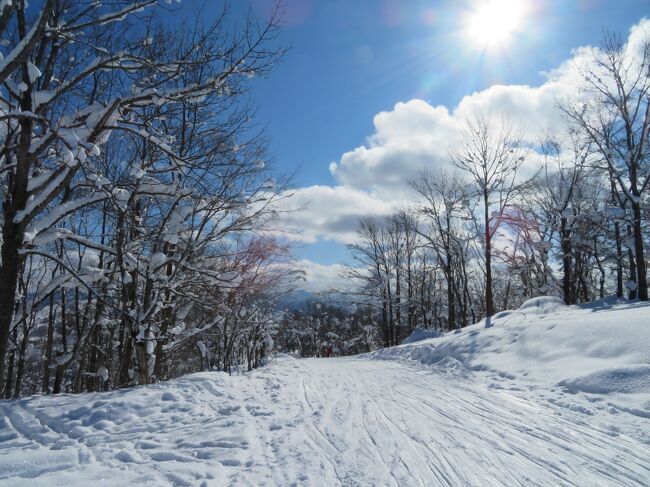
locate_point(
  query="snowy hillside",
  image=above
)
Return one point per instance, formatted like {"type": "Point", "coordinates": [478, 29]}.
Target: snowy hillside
{"type": "Point", "coordinates": [546, 395]}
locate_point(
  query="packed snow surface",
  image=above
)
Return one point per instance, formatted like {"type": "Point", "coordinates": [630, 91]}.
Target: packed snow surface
{"type": "Point", "coordinates": [544, 395]}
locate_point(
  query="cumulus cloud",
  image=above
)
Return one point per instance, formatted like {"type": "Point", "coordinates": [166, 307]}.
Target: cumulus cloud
{"type": "Point", "coordinates": [328, 212]}
{"type": "Point", "coordinates": [416, 136]}
{"type": "Point", "coordinates": [411, 137]}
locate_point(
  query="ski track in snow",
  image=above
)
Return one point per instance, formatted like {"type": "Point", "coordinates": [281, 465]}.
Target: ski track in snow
{"type": "Point", "coordinates": [324, 422]}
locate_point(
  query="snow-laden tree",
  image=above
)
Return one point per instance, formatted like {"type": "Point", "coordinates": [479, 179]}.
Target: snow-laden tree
{"type": "Point", "coordinates": [397, 275]}
{"type": "Point", "coordinates": [310, 329]}
{"type": "Point", "coordinates": [444, 209]}
{"type": "Point", "coordinates": [614, 113]}
{"type": "Point", "coordinates": [129, 167]}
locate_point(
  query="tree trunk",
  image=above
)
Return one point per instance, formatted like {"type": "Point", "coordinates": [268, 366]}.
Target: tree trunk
{"type": "Point", "coordinates": [451, 295]}
{"type": "Point", "coordinates": [45, 387]}
{"type": "Point", "coordinates": [632, 292]}
{"type": "Point", "coordinates": [142, 361]}
{"type": "Point", "coordinates": [642, 280]}
{"type": "Point", "coordinates": [391, 316]}
{"type": "Point", "coordinates": [567, 278]}
{"type": "Point", "coordinates": [8, 280]}
{"type": "Point", "coordinates": [10, 368]}
{"type": "Point", "coordinates": [124, 379]}
{"type": "Point", "coordinates": [489, 298]}
{"type": "Point", "coordinates": [58, 379]}
{"type": "Point", "coordinates": [10, 374]}
{"type": "Point", "coordinates": [20, 371]}
{"type": "Point", "coordinates": [398, 305]}
{"type": "Point", "coordinates": [60, 369]}
{"type": "Point", "coordinates": [619, 261]}
{"type": "Point", "coordinates": [13, 232]}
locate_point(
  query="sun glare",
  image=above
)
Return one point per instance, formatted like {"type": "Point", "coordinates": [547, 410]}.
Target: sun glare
{"type": "Point", "coordinates": [491, 23]}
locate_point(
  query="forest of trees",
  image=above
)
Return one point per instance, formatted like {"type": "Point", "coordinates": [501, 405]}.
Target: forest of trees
{"type": "Point", "coordinates": [320, 322]}
{"type": "Point", "coordinates": [138, 206]}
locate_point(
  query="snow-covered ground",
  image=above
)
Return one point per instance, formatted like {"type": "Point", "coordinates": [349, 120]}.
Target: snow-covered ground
{"type": "Point", "coordinates": [545, 395]}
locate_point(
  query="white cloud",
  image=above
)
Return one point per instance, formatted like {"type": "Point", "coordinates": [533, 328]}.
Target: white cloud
{"type": "Point", "coordinates": [328, 212]}
{"type": "Point", "coordinates": [416, 136]}
{"type": "Point", "coordinates": [411, 137]}
{"type": "Point", "coordinates": [323, 278]}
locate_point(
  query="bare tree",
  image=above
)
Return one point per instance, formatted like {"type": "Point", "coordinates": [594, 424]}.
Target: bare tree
{"type": "Point", "coordinates": [445, 203]}
{"type": "Point", "coordinates": [490, 154]}
{"type": "Point", "coordinates": [553, 200]}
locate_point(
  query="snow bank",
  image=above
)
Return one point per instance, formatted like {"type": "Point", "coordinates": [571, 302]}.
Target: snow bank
{"type": "Point", "coordinates": [601, 350]}
{"type": "Point", "coordinates": [628, 380]}
{"type": "Point", "coordinates": [125, 437]}
{"type": "Point", "coordinates": [419, 335]}
{"type": "Point", "coordinates": [542, 305]}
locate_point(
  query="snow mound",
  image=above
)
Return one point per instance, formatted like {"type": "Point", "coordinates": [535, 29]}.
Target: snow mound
{"type": "Point", "coordinates": [542, 305]}
{"type": "Point", "coordinates": [451, 366]}
{"type": "Point", "coordinates": [625, 380]}
{"type": "Point", "coordinates": [420, 334]}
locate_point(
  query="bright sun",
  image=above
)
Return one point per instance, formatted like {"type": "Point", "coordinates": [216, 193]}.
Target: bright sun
{"type": "Point", "coordinates": [492, 23]}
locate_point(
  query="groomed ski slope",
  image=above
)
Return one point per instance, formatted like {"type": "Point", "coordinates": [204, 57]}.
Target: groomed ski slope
{"type": "Point", "coordinates": [546, 395]}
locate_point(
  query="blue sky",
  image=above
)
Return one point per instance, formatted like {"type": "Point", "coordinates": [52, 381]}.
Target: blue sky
{"type": "Point", "coordinates": [350, 60]}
